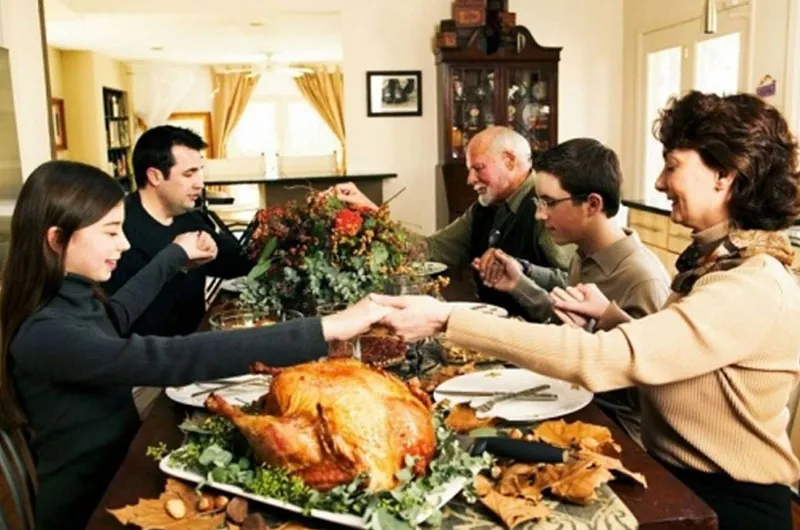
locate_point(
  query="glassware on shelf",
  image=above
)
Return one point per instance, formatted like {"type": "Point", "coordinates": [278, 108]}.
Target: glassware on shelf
{"type": "Point", "coordinates": [456, 140]}
{"type": "Point", "coordinates": [539, 88]}
{"type": "Point", "coordinates": [473, 97]}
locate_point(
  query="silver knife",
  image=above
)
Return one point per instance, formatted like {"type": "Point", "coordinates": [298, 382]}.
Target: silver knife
{"type": "Point", "coordinates": [486, 407]}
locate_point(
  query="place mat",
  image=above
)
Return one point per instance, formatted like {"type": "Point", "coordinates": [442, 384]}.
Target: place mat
{"type": "Point", "coordinates": [608, 511]}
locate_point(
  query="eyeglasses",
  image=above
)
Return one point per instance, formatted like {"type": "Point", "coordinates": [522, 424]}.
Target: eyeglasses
{"type": "Point", "coordinates": [548, 203]}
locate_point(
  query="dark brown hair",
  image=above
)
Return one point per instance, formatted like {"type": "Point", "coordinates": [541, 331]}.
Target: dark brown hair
{"type": "Point", "coordinates": [743, 135]}
{"type": "Point", "coordinates": [154, 149]}
{"type": "Point", "coordinates": [67, 195]}
{"type": "Point", "coordinates": [584, 166]}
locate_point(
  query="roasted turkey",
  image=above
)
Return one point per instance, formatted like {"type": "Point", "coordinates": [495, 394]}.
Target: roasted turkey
{"type": "Point", "coordinates": [329, 421]}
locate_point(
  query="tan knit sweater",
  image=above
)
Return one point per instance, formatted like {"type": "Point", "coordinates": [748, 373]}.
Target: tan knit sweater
{"type": "Point", "coordinates": [715, 368]}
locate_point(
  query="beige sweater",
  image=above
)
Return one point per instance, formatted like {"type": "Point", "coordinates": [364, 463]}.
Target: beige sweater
{"type": "Point", "coordinates": [715, 368]}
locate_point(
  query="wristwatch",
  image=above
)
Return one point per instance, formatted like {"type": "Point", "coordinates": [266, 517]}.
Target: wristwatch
{"type": "Point", "coordinates": [527, 267]}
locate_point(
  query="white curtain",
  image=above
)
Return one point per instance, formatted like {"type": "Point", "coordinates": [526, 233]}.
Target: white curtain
{"type": "Point", "coordinates": [160, 87]}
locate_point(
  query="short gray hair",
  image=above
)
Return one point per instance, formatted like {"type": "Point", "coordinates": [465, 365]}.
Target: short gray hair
{"type": "Point", "coordinates": [499, 140]}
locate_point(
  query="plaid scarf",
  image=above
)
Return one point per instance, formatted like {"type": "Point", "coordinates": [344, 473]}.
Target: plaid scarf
{"type": "Point", "coordinates": [727, 253]}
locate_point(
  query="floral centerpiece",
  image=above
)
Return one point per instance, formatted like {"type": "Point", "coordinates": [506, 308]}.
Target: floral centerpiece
{"type": "Point", "coordinates": [324, 252]}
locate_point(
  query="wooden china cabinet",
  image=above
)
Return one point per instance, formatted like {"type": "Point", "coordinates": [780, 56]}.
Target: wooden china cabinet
{"type": "Point", "coordinates": [494, 74]}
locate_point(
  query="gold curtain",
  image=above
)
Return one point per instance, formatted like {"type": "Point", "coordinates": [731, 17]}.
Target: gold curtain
{"type": "Point", "coordinates": [324, 90]}
{"type": "Point", "coordinates": [233, 91]}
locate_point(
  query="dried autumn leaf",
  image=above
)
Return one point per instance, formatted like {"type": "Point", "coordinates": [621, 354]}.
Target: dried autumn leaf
{"type": "Point", "coordinates": [512, 510]}
{"type": "Point", "coordinates": [463, 419]}
{"type": "Point", "coordinates": [577, 434]}
{"type": "Point", "coordinates": [519, 480]}
{"type": "Point", "coordinates": [612, 464]}
{"type": "Point", "coordinates": [429, 384]}
{"type": "Point", "coordinates": [580, 482]}
{"type": "Point", "coordinates": [514, 478]}
{"type": "Point", "coordinates": [150, 514]}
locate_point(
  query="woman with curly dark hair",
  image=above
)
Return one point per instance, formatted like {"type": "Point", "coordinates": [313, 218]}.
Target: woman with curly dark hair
{"type": "Point", "coordinates": [715, 367]}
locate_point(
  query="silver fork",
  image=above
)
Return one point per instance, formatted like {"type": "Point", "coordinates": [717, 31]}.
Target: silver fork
{"type": "Point", "coordinates": [258, 379]}
{"type": "Point", "coordinates": [486, 407]}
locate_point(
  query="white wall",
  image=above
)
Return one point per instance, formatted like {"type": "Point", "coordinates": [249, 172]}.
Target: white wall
{"type": "Point", "coordinates": [394, 36]}
{"type": "Point", "coordinates": [20, 32]}
{"type": "Point", "coordinates": [398, 35]}
{"type": "Point", "coordinates": [590, 71]}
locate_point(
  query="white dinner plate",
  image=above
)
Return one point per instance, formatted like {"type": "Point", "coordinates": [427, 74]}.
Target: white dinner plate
{"type": "Point", "coordinates": [234, 285]}
{"type": "Point", "coordinates": [238, 395]}
{"type": "Point", "coordinates": [486, 309]}
{"type": "Point", "coordinates": [570, 397]}
{"type": "Point", "coordinates": [428, 268]}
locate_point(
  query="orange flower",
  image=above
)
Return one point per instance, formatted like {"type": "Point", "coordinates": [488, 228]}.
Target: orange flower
{"type": "Point", "coordinates": [348, 222]}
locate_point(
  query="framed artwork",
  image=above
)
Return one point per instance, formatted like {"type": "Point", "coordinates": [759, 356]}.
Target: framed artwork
{"type": "Point", "coordinates": [198, 122]}
{"type": "Point", "coordinates": [394, 93]}
{"type": "Point", "coordinates": [59, 125]}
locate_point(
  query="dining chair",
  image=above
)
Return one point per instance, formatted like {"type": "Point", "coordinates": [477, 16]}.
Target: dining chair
{"type": "Point", "coordinates": [17, 482]}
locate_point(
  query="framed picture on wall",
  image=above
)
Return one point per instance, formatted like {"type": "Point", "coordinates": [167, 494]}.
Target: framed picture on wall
{"type": "Point", "coordinates": [59, 125]}
{"type": "Point", "coordinates": [198, 122]}
{"type": "Point", "coordinates": [394, 93]}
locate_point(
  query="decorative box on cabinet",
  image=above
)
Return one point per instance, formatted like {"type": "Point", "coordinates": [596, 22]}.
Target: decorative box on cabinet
{"type": "Point", "coordinates": [515, 86]}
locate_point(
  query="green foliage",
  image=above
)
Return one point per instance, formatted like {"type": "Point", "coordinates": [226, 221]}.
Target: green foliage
{"type": "Point", "coordinates": [321, 252]}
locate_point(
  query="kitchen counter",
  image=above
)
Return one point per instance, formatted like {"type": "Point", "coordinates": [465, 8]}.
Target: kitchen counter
{"type": "Point", "coordinates": [280, 190]}
{"type": "Point", "coordinates": [303, 179]}
{"type": "Point", "coordinates": [659, 209]}
{"type": "Point", "coordinates": [647, 206]}
{"type": "Point", "coordinates": [652, 207]}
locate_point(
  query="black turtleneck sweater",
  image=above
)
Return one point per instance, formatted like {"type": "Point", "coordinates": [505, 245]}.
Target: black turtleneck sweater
{"type": "Point", "coordinates": [73, 373]}
{"type": "Point", "coordinates": [180, 305]}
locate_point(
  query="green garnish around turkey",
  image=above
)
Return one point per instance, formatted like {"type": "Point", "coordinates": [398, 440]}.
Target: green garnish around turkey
{"type": "Point", "coordinates": [215, 449]}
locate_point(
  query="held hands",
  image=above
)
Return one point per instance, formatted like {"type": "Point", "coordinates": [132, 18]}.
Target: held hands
{"type": "Point", "coordinates": [354, 320]}
{"type": "Point", "coordinates": [199, 246]}
{"type": "Point", "coordinates": [498, 270]}
{"type": "Point", "coordinates": [576, 305]}
{"type": "Point", "coordinates": [414, 317]}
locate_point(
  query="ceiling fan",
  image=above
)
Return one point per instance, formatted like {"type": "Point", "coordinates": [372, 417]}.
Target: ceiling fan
{"type": "Point", "coordinates": [267, 66]}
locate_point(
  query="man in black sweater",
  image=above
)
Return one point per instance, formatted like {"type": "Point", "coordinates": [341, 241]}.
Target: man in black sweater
{"type": "Point", "coordinates": [167, 163]}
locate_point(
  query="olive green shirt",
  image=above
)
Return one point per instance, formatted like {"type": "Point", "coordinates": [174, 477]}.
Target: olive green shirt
{"type": "Point", "coordinates": [627, 272]}
{"type": "Point", "coordinates": [451, 244]}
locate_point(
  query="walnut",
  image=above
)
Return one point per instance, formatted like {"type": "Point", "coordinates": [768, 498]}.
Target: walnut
{"type": "Point", "coordinates": [237, 510]}
{"type": "Point", "coordinates": [175, 508]}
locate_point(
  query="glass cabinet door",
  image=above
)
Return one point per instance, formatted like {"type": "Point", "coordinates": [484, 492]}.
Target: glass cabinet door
{"type": "Point", "coordinates": [529, 105]}
{"type": "Point", "coordinates": [473, 97]}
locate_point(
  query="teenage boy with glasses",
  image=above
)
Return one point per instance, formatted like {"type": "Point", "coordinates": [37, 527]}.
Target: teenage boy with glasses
{"type": "Point", "coordinates": [577, 195]}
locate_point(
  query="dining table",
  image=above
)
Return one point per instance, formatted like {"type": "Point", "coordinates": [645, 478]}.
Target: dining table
{"type": "Point", "coordinates": [666, 503]}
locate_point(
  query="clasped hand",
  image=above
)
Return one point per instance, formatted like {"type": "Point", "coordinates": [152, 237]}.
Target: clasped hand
{"type": "Point", "coordinates": [199, 246]}
{"type": "Point", "coordinates": [576, 305]}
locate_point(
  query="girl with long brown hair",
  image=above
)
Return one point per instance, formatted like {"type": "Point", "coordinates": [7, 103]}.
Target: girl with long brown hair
{"type": "Point", "coordinates": [68, 364]}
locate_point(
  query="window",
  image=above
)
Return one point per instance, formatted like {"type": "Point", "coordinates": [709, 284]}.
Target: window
{"type": "Point", "coordinates": [663, 82]}
{"type": "Point", "coordinates": [282, 125]}
{"type": "Point", "coordinates": [675, 60]}
{"type": "Point", "coordinates": [717, 64]}
{"type": "Point", "coordinates": [257, 131]}
{"type": "Point", "coordinates": [307, 134]}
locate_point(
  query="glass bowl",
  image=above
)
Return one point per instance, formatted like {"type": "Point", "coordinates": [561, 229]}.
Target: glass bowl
{"type": "Point", "coordinates": [243, 319]}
